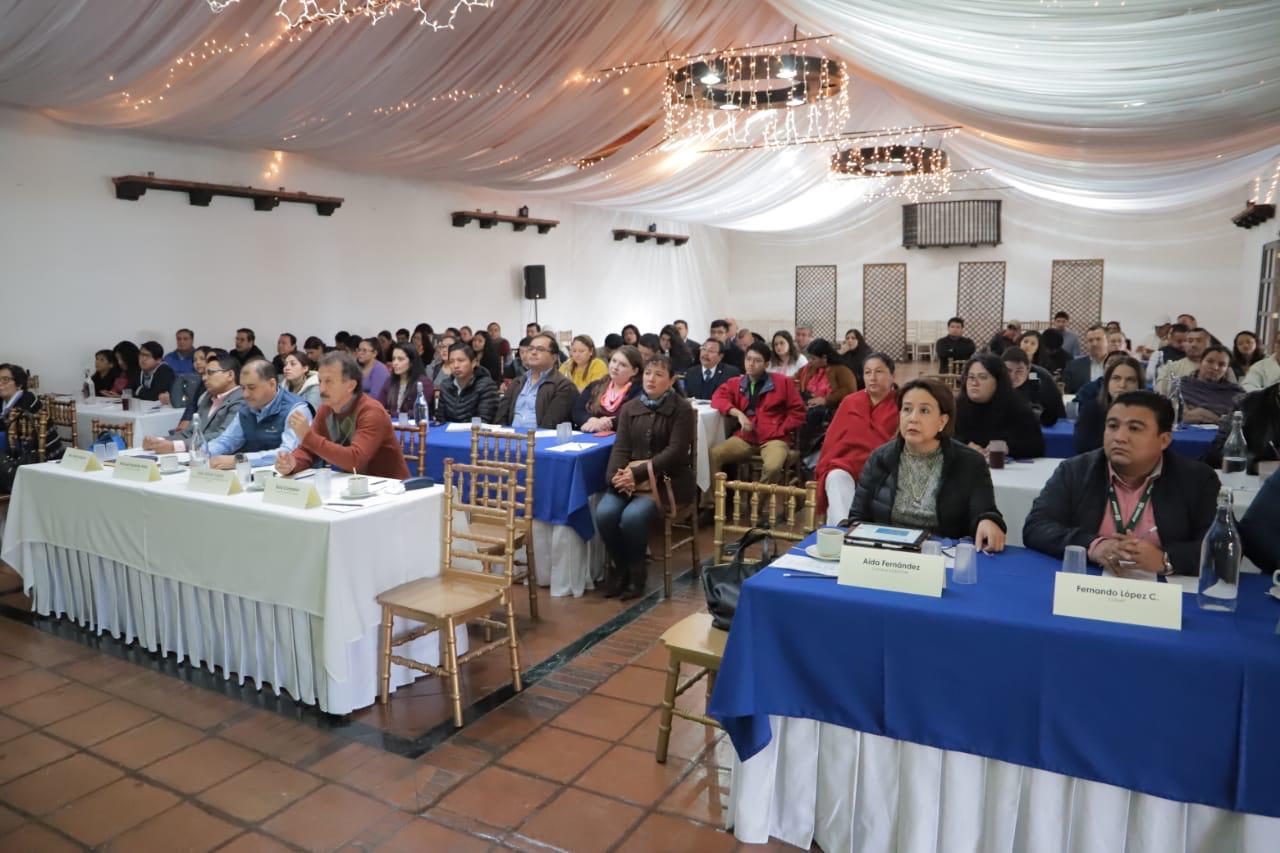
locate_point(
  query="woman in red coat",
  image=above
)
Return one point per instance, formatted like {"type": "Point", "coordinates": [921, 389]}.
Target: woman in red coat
{"type": "Point", "coordinates": [865, 420]}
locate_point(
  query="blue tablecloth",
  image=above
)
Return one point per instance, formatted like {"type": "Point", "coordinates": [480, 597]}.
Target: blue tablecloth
{"type": "Point", "coordinates": [563, 482]}
{"type": "Point", "coordinates": [988, 670]}
{"type": "Point", "coordinates": [1059, 440]}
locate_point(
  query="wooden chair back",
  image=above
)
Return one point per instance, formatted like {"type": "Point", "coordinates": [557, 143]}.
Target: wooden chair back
{"type": "Point", "coordinates": [124, 429]}
{"type": "Point", "coordinates": [27, 430]}
{"type": "Point", "coordinates": [510, 451]}
{"type": "Point", "coordinates": [412, 439]}
{"type": "Point", "coordinates": [459, 494]}
{"type": "Point", "coordinates": [739, 506]}
{"type": "Point", "coordinates": [62, 413]}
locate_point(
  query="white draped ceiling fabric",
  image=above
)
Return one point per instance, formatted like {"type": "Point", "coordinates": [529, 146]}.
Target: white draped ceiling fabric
{"type": "Point", "coordinates": [1111, 105]}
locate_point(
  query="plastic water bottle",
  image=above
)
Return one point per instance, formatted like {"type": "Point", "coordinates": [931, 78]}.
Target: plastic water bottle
{"type": "Point", "coordinates": [1154, 370]}
{"type": "Point", "coordinates": [1220, 560]}
{"type": "Point", "coordinates": [1235, 455]}
{"type": "Point", "coordinates": [1175, 397]}
{"type": "Point", "coordinates": [420, 412]}
{"type": "Point", "coordinates": [198, 446]}
{"type": "Point", "coordinates": [86, 390]}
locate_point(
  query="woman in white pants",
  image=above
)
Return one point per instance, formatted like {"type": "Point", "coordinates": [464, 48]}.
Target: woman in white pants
{"type": "Point", "coordinates": [865, 420]}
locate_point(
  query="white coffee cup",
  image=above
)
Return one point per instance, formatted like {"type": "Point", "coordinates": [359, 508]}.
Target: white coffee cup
{"type": "Point", "coordinates": [169, 462]}
{"type": "Point", "coordinates": [829, 541]}
{"type": "Point", "coordinates": [1275, 578]}
{"type": "Point", "coordinates": [358, 486]}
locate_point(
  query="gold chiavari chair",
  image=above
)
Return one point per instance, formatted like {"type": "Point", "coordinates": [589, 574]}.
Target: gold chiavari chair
{"type": "Point", "coordinates": [29, 430]}
{"type": "Point", "coordinates": [789, 510]}
{"type": "Point", "coordinates": [694, 641]}
{"type": "Point", "coordinates": [685, 518]}
{"type": "Point", "coordinates": [460, 595]}
{"type": "Point", "coordinates": [124, 429]}
{"type": "Point", "coordinates": [62, 413]}
{"type": "Point", "coordinates": [413, 442]}
{"type": "Point", "coordinates": [511, 451]}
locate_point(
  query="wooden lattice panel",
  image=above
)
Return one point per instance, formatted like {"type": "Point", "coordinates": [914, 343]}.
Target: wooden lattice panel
{"type": "Point", "coordinates": [1077, 289]}
{"type": "Point", "coordinates": [816, 299]}
{"type": "Point", "coordinates": [980, 299]}
{"type": "Point", "coordinates": [884, 307]}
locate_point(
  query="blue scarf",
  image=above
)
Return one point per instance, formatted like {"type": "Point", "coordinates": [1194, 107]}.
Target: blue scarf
{"type": "Point", "coordinates": [650, 403]}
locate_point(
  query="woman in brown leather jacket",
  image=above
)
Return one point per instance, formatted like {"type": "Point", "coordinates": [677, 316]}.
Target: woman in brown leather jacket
{"type": "Point", "coordinates": [650, 467]}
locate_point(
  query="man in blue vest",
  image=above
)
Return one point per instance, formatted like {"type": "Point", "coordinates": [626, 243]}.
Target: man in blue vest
{"type": "Point", "coordinates": [262, 429]}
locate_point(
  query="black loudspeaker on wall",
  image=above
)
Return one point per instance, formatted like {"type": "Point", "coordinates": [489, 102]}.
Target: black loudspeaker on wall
{"type": "Point", "coordinates": [535, 282]}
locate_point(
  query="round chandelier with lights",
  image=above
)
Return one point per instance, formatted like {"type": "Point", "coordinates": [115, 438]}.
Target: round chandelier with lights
{"type": "Point", "coordinates": [896, 161]}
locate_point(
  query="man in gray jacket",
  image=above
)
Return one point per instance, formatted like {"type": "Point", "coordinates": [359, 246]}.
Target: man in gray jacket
{"type": "Point", "coordinates": [219, 405]}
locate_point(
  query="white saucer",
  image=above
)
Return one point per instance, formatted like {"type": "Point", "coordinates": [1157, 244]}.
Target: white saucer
{"type": "Point", "coordinates": [167, 471]}
{"type": "Point", "coordinates": [812, 551]}
{"type": "Point", "coordinates": [347, 496]}
{"type": "Point", "coordinates": [1274, 592]}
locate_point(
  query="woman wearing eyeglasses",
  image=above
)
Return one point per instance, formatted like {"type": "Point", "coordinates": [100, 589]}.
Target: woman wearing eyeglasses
{"type": "Point", "coordinates": [989, 409]}
{"type": "Point", "coordinates": [16, 400]}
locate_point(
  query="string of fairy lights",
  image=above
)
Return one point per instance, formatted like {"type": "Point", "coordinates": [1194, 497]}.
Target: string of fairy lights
{"type": "Point", "coordinates": [1257, 197]}
{"type": "Point", "coordinates": [304, 15]}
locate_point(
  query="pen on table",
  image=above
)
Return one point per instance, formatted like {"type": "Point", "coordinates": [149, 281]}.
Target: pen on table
{"type": "Point", "coordinates": [307, 473]}
{"type": "Point", "coordinates": [807, 575]}
{"type": "Point", "coordinates": [338, 504]}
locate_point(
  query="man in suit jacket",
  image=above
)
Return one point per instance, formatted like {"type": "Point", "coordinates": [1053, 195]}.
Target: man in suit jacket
{"type": "Point", "coordinates": [1089, 366]}
{"type": "Point", "coordinates": [217, 407]}
{"type": "Point", "coordinates": [1134, 504]}
{"type": "Point", "coordinates": [702, 380]}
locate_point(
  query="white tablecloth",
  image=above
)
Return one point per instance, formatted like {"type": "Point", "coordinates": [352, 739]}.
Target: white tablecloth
{"type": "Point", "coordinates": [850, 791]}
{"type": "Point", "coordinates": [147, 418]}
{"type": "Point", "coordinates": [227, 581]}
{"type": "Point", "coordinates": [710, 433]}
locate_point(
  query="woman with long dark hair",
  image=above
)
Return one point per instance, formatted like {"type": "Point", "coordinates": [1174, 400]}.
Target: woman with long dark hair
{"type": "Point", "coordinates": [989, 409]}
{"type": "Point", "coordinates": [1123, 374]}
{"type": "Point", "coordinates": [785, 356]}
{"type": "Point", "coordinates": [408, 379]}
{"type": "Point", "coordinates": [630, 335]}
{"type": "Point", "coordinates": [854, 351]}
{"type": "Point", "coordinates": [126, 355]}
{"type": "Point", "coordinates": [490, 361]}
{"type": "Point", "coordinates": [673, 347]}
{"type": "Point", "coordinates": [1245, 353]}
{"type": "Point", "coordinates": [1051, 356]}
{"type": "Point", "coordinates": [105, 374]}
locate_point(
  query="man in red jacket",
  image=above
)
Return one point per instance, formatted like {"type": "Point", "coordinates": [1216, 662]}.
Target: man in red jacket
{"type": "Point", "coordinates": [351, 431]}
{"type": "Point", "coordinates": [768, 409]}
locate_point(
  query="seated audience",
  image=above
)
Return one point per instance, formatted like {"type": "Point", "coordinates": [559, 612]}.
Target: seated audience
{"type": "Point", "coordinates": [1070, 341]}
{"type": "Point", "coordinates": [1087, 367]}
{"type": "Point", "coordinates": [374, 374]}
{"type": "Point", "coordinates": [803, 336]}
{"type": "Point", "coordinates": [516, 368]}
{"type": "Point", "coordinates": [1035, 385]}
{"type": "Point", "coordinates": [1175, 344]}
{"type": "Point", "coordinates": [1135, 505]}
{"type": "Point", "coordinates": [1051, 356]}
{"type": "Point", "coordinates": [246, 350]}
{"type": "Point", "coordinates": [351, 431]}
{"type": "Point", "coordinates": [732, 355]}
{"type": "Point", "coordinates": [823, 382]}
{"type": "Point", "coordinates": [105, 373]}
{"type": "Point", "coordinates": [1123, 374]}
{"type": "Point", "coordinates": [854, 351]}
{"type": "Point", "coordinates": [422, 339]}
{"type": "Point", "coordinates": [301, 379]}
{"type": "Point", "coordinates": [285, 344]}
{"type": "Point", "coordinates": [1211, 392]}
{"type": "Point", "coordinates": [186, 389]}
{"type": "Point", "coordinates": [690, 346]}
{"type": "Point", "coordinates": [402, 336]}
{"type": "Point", "coordinates": [343, 341]}
{"type": "Point", "coordinates": [490, 361]}
{"type": "Point", "coordinates": [439, 368]}
{"type": "Point", "coordinates": [1197, 341]}
{"type": "Point", "coordinates": [988, 409]}
{"type": "Point", "coordinates": [1116, 341]}
{"type": "Point", "coordinates": [768, 410]}
{"type": "Point", "coordinates": [583, 367]}
{"type": "Point", "coordinates": [315, 349]}
{"type": "Point", "coordinates": [702, 380]}
{"type": "Point", "coordinates": [786, 357]}
{"type": "Point", "coordinates": [543, 397]}
{"type": "Point", "coordinates": [1029, 342]}
{"type": "Point", "coordinates": [612, 341]}
{"type": "Point", "coordinates": [1157, 339]}
{"type": "Point", "coordinates": [493, 332]}
{"type": "Point", "coordinates": [1245, 353]}
{"type": "Point", "coordinates": [954, 346]}
{"type": "Point", "coordinates": [1264, 373]}
{"type": "Point", "coordinates": [863, 421]}
{"type": "Point", "coordinates": [925, 479]}
{"type": "Point", "coordinates": [466, 391]}
{"type": "Point", "coordinates": [1261, 411]}
{"type": "Point", "coordinates": [262, 427]}
{"type": "Point", "coordinates": [385, 343]}
{"type": "Point", "coordinates": [597, 407]}
{"type": "Point", "coordinates": [409, 380]}
{"type": "Point", "coordinates": [1005, 338]}
{"type": "Point", "coordinates": [673, 347]}
{"type": "Point", "coordinates": [649, 346]}
{"type": "Point", "coordinates": [1260, 527]}
{"type": "Point", "coordinates": [531, 329]}
{"type": "Point", "coordinates": [181, 359]}
{"type": "Point", "coordinates": [126, 355]}
{"type": "Point", "coordinates": [655, 436]}
{"type": "Point", "coordinates": [630, 335]}
{"type": "Point", "coordinates": [155, 378]}
{"type": "Point", "coordinates": [17, 399]}
{"type": "Point", "coordinates": [218, 405]}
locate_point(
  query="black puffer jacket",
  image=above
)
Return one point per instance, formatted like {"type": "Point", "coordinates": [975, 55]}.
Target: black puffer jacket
{"type": "Point", "coordinates": [965, 495]}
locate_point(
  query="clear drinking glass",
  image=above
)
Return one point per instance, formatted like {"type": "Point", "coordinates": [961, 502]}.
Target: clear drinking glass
{"type": "Point", "coordinates": [966, 570]}
{"type": "Point", "coordinates": [1075, 559]}
{"type": "Point", "coordinates": [324, 483]}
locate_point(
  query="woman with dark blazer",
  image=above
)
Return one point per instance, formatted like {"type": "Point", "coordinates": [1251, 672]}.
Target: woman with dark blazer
{"type": "Point", "coordinates": [16, 399]}
{"type": "Point", "coordinates": [600, 402]}
{"type": "Point", "coordinates": [657, 429]}
{"type": "Point", "coordinates": [925, 479]}
{"type": "Point", "coordinates": [1123, 374]}
{"type": "Point", "coordinates": [989, 409]}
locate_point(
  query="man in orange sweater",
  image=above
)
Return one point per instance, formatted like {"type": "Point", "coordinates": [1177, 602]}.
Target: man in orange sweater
{"type": "Point", "coordinates": [351, 431]}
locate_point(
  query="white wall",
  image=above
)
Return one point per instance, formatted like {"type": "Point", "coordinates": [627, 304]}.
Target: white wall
{"type": "Point", "coordinates": [1154, 265]}
{"type": "Point", "coordinates": [80, 270]}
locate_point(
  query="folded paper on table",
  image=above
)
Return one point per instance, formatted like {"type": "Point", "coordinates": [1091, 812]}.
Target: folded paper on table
{"type": "Point", "coordinates": [806, 564]}
{"type": "Point", "coordinates": [571, 446]}
{"type": "Point", "coordinates": [208, 481]}
{"type": "Point", "coordinates": [74, 459]}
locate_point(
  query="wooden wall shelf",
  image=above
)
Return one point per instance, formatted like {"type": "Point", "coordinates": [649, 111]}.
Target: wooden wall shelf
{"type": "Point", "coordinates": [133, 187]}
{"type": "Point", "coordinates": [1254, 214]}
{"type": "Point", "coordinates": [461, 218]}
{"type": "Point", "coordinates": [643, 236]}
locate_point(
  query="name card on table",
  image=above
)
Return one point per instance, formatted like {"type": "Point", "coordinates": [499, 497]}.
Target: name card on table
{"type": "Point", "coordinates": [293, 493]}
{"type": "Point", "coordinates": [1108, 599]}
{"type": "Point", "coordinates": [895, 571]}
{"type": "Point", "coordinates": [136, 470]}
{"type": "Point", "coordinates": [207, 481]}
{"type": "Point", "coordinates": [74, 459]}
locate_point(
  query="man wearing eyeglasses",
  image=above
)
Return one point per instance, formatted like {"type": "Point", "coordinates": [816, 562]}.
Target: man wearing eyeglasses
{"type": "Point", "coordinates": [544, 396]}
{"type": "Point", "coordinates": [217, 407]}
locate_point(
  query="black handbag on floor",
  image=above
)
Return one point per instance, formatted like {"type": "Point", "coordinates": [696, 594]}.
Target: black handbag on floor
{"type": "Point", "coordinates": [722, 584]}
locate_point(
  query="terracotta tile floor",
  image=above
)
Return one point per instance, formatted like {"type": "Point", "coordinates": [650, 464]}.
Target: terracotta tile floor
{"type": "Point", "coordinates": [101, 753]}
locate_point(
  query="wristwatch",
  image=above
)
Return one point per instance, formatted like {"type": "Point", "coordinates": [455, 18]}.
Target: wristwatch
{"type": "Point", "coordinates": [1168, 565]}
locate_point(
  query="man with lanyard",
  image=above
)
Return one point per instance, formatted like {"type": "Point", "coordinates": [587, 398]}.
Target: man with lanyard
{"type": "Point", "coordinates": [1138, 508]}
{"type": "Point", "coordinates": [768, 410]}
{"type": "Point", "coordinates": [543, 397]}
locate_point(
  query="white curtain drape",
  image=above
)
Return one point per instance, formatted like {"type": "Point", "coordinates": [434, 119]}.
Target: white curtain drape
{"type": "Point", "coordinates": [1109, 105]}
